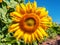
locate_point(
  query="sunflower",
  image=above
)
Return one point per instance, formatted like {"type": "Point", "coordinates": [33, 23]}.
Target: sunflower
{"type": "Point", "coordinates": [30, 22]}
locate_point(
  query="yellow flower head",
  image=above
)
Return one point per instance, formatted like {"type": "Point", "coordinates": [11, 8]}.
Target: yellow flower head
{"type": "Point", "coordinates": [30, 22]}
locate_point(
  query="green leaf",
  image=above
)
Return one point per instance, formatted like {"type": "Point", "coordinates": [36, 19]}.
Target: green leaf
{"type": "Point", "coordinates": [1, 36]}
{"type": "Point", "coordinates": [13, 3]}
{"type": "Point", "coordinates": [9, 44]}
{"type": "Point", "coordinates": [18, 43]}
{"type": "Point", "coordinates": [1, 43]}
{"type": "Point", "coordinates": [19, 1]}
{"type": "Point", "coordinates": [35, 43]}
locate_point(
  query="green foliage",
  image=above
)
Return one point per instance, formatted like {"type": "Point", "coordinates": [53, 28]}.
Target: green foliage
{"type": "Point", "coordinates": [35, 43]}
{"type": "Point", "coordinates": [54, 30]}
{"type": "Point", "coordinates": [10, 3]}
{"type": "Point", "coordinates": [56, 27]}
{"type": "Point", "coordinates": [5, 19]}
{"type": "Point", "coordinates": [51, 32]}
{"type": "Point", "coordinates": [19, 1]}
{"type": "Point", "coordinates": [4, 16]}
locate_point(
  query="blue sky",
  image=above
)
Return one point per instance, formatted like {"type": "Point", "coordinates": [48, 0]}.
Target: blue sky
{"type": "Point", "coordinates": [53, 7]}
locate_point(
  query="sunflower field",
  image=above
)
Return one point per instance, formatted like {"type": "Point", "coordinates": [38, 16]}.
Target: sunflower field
{"type": "Point", "coordinates": [26, 24]}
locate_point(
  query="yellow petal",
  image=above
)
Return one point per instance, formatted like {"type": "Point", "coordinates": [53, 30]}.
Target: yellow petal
{"type": "Point", "coordinates": [42, 9]}
{"type": "Point", "coordinates": [15, 14]}
{"type": "Point", "coordinates": [28, 7]}
{"type": "Point", "coordinates": [20, 35]}
{"type": "Point", "coordinates": [23, 6]}
{"type": "Point", "coordinates": [15, 19]}
{"type": "Point", "coordinates": [44, 26]}
{"type": "Point", "coordinates": [14, 29]}
{"type": "Point", "coordinates": [34, 6]}
{"type": "Point", "coordinates": [43, 14]}
{"type": "Point", "coordinates": [47, 23]}
{"type": "Point", "coordinates": [38, 12]}
{"type": "Point", "coordinates": [18, 8]}
{"type": "Point", "coordinates": [29, 38]}
{"type": "Point", "coordinates": [33, 37]}
{"type": "Point", "coordinates": [43, 32]}
{"type": "Point", "coordinates": [50, 24]}
{"type": "Point", "coordinates": [14, 25]}
{"type": "Point", "coordinates": [49, 18]}
{"type": "Point", "coordinates": [17, 33]}
{"type": "Point", "coordinates": [25, 37]}
{"type": "Point", "coordinates": [45, 19]}
{"type": "Point", "coordinates": [39, 34]}
{"type": "Point", "coordinates": [36, 35]}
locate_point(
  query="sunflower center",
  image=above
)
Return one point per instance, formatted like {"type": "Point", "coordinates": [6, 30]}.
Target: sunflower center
{"type": "Point", "coordinates": [29, 23]}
